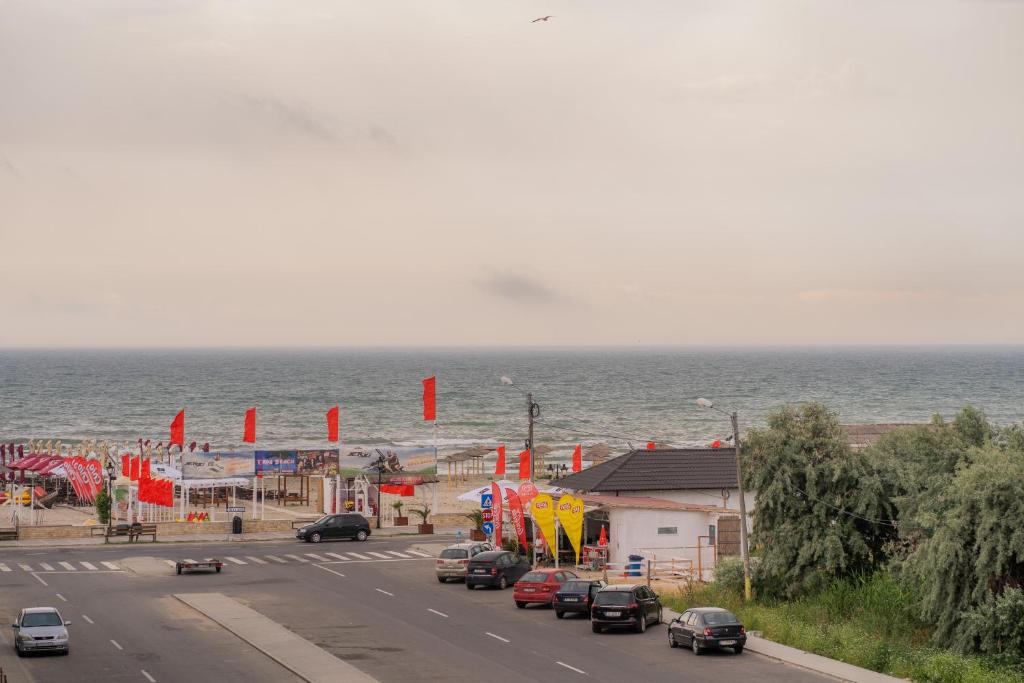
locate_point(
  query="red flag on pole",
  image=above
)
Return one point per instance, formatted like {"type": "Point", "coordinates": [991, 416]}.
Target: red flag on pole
{"type": "Point", "coordinates": [524, 465]}
{"type": "Point", "coordinates": [145, 474]}
{"type": "Point", "coordinates": [135, 466]}
{"type": "Point", "coordinates": [332, 424]}
{"type": "Point", "coordinates": [577, 458]}
{"type": "Point", "coordinates": [125, 465]}
{"type": "Point", "coordinates": [499, 467]}
{"type": "Point", "coordinates": [178, 430]}
{"type": "Point", "coordinates": [650, 445]}
{"type": "Point", "coordinates": [250, 426]}
{"type": "Point", "coordinates": [429, 399]}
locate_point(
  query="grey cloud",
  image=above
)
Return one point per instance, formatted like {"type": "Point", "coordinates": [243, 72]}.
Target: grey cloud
{"type": "Point", "coordinates": [520, 289]}
{"type": "Point", "coordinates": [289, 116]}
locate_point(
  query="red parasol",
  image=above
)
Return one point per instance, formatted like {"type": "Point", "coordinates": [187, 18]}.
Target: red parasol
{"type": "Point", "coordinates": [603, 540]}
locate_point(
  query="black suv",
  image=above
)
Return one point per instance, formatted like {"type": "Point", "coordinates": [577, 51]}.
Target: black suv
{"type": "Point", "coordinates": [706, 628]}
{"type": "Point", "coordinates": [576, 596]}
{"type": "Point", "coordinates": [348, 525]}
{"type": "Point", "coordinates": [495, 568]}
{"type": "Point", "coordinates": [635, 606]}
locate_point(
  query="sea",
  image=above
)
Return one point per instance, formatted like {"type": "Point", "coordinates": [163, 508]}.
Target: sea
{"type": "Point", "coordinates": [622, 396]}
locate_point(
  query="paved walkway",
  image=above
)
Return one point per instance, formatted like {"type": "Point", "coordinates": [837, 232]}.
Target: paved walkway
{"type": "Point", "coordinates": [292, 651]}
{"type": "Point", "coordinates": [806, 660]}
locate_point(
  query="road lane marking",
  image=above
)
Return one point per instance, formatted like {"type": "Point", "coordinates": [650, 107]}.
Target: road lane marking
{"type": "Point", "coordinates": [492, 635]}
{"type": "Point", "coordinates": [25, 567]}
{"type": "Point", "coordinates": [86, 617]}
{"type": "Point", "coordinates": [336, 555]}
{"type": "Point", "coordinates": [45, 566]}
{"type": "Point", "coordinates": [148, 677]}
{"type": "Point", "coordinates": [328, 569]}
{"type": "Point", "coordinates": [275, 558]}
{"type": "Point", "coordinates": [571, 668]}
{"type": "Point", "coordinates": [4, 568]}
{"type": "Point", "coordinates": [62, 597]}
{"type": "Point", "coordinates": [117, 645]}
{"type": "Point", "coordinates": [318, 558]}
{"type": "Point", "coordinates": [39, 579]}
{"type": "Point", "coordinates": [89, 565]}
{"type": "Point", "coordinates": [234, 559]}
{"type": "Point", "coordinates": [255, 559]}
{"type": "Point", "coordinates": [381, 555]}
{"type": "Point", "coordinates": [110, 565]}
{"type": "Point", "coordinates": [381, 590]}
{"type": "Point", "coordinates": [398, 554]}
{"type": "Point", "coordinates": [440, 614]}
{"type": "Point", "coordinates": [358, 556]}
{"type": "Point", "coordinates": [419, 552]}
{"type": "Point", "coordinates": [67, 565]}
{"type": "Point", "coordinates": [296, 558]}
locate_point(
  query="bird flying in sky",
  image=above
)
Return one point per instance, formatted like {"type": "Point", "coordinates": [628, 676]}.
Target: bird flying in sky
{"type": "Point", "coordinates": [550, 16]}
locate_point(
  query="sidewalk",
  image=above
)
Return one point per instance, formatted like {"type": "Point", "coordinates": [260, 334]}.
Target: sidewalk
{"type": "Point", "coordinates": [806, 660]}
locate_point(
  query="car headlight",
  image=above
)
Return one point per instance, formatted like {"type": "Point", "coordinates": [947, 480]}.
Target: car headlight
{"type": "Point", "coordinates": [24, 636]}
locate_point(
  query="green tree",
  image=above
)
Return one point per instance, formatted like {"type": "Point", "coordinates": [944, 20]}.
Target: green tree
{"type": "Point", "coordinates": [821, 511]}
{"type": "Point", "coordinates": [102, 506]}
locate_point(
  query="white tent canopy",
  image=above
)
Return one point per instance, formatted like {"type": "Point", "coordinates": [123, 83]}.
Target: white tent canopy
{"type": "Point", "coordinates": [505, 485]}
{"type": "Point", "coordinates": [213, 483]}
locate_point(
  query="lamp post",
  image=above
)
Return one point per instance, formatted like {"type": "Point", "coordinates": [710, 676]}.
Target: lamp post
{"type": "Point", "coordinates": [110, 499]}
{"type": "Point", "coordinates": [744, 551]}
{"type": "Point", "coordinates": [380, 472]}
{"type": "Point", "coordinates": [532, 413]}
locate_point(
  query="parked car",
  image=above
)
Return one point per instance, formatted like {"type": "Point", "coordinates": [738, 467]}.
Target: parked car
{"type": "Point", "coordinates": [499, 568]}
{"type": "Point", "coordinates": [454, 559]}
{"type": "Point", "coordinates": [707, 628]}
{"type": "Point", "coordinates": [539, 586]}
{"type": "Point", "coordinates": [41, 629]}
{"type": "Point", "coordinates": [575, 596]}
{"type": "Point", "coordinates": [635, 606]}
{"type": "Point", "coordinates": [346, 525]}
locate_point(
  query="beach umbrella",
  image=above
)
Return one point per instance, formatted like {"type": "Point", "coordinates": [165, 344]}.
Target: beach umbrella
{"type": "Point", "coordinates": [597, 452]}
{"type": "Point", "coordinates": [603, 540]}
{"type": "Point", "coordinates": [504, 485]}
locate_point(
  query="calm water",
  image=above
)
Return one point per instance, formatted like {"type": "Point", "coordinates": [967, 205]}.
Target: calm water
{"type": "Point", "coordinates": [585, 395]}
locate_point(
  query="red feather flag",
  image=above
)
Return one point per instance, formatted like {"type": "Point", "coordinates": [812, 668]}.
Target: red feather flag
{"type": "Point", "coordinates": [135, 465]}
{"type": "Point", "coordinates": [145, 469]}
{"type": "Point", "coordinates": [178, 430]}
{"type": "Point", "coordinates": [524, 465]}
{"type": "Point", "coordinates": [577, 458]}
{"type": "Point", "coordinates": [332, 424]}
{"type": "Point", "coordinates": [430, 398]}
{"type": "Point", "coordinates": [126, 466]}
{"type": "Point", "coordinates": [650, 445]}
{"type": "Point", "coordinates": [499, 467]}
{"type": "Point", "coordinates": [250, 426]}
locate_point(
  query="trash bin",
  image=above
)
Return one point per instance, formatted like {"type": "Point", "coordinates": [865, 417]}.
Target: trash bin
{"type": "Point", "coordinates": [236, 525]}
{"type": "Point", "coordinates": [633, 568]}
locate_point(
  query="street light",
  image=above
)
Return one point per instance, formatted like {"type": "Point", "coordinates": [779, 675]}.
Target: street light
{"type": "Point", "coordinates": [110, 498]}
{"type": "Point", "coordinates": [744, 552]}
{"type": "Point", "coordinates": [532, 413]}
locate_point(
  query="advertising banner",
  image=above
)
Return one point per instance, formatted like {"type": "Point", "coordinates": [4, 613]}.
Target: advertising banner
{"type": "Point", "coordinates": [543, 507]}
{"type": "Point", "coordinates": [276, 462]}
{"type": "Point", "coordinates": [515, 508]}
{"type": "Point", "coordinates": [317, 462]}
{"type": "Point", "coordinates": [570, 516]}
{"type": "Point", "coordinates": [217, 464]}
{"type": "Point", "coordinates": [496, 493]}
{"type": "Point", "coordinates": [397, 459]}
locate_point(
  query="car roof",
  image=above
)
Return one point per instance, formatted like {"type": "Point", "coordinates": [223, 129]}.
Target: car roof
{"type": "Point", "coordinates": [34, 610]}
{"type": "Point", "coordinates": [490, 555]}
{"type": "Point", "coordinates": [548, 570]}
{"type": "Point", "coordinates": [619, 587]}
{"type": "Point", "coordinates": [705, 610]}
{"type": "Point", "coordinates": [464, 545]}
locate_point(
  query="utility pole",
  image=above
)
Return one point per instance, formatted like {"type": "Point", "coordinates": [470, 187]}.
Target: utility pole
{"type": "Point", "coordinates": [530, 405]}
{"type": "Point", "coordinates": [380, 473]}
{"type": "Point", "coordinates": [744, 552]}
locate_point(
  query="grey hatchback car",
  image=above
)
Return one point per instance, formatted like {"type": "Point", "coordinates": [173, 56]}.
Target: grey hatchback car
{"type": "Point", "coordinates": [41, 629]}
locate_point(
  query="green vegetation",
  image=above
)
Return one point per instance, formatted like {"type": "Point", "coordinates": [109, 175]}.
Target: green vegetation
{"type": "Point", "coordinates": [102, 506]}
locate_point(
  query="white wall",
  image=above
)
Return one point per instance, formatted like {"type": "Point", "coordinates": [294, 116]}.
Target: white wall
{"type": "Point", "coordinates": [636, 532]}
{"type": "Point", "coordinates": [701, 497]}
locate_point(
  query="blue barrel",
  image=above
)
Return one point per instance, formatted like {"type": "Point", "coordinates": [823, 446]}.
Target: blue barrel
{"type": "Point", "coordinates": [633, 568]}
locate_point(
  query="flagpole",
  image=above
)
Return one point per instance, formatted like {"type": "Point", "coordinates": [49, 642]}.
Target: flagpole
{"type": "Point", "coordinates": [436, 470]}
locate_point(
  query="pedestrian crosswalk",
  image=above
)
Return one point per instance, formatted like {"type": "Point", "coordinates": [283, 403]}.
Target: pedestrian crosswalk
{"type": "Point", "coordinates": [63, 567]}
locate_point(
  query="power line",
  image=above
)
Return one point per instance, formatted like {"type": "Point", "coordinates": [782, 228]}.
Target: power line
{"type": "Point", "coordinates": [884, 522]}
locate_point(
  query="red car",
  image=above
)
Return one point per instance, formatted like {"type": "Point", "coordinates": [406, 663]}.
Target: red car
{"type": "Point", "coordinates": [539, 586]}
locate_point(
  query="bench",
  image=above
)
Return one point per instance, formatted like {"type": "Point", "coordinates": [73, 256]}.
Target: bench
{"type": "Point", "coordinates": [148, 529]}
{"type": "Point", "coordinates": [8, 534]}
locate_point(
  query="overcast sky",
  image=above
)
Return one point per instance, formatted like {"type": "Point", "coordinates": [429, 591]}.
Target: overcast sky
{"type": "Point", "coordinates": [272, 172]}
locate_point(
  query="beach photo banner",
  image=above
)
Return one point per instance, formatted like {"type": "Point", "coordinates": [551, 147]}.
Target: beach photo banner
{"type": "Point", "coordinates": [276, 462]}
{"type": "Point", "coordinates": [323, 461]}
{"type": "Point", "coordinates": [218, 464]}
{"type": "Point", "coordinates": [397, 459]}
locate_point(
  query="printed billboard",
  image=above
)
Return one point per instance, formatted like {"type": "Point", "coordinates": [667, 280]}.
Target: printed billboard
{"type": "Point", "coordinates": [276, 462]}
{"type": "Point", "coordinates": [324, 461]}
{"type": "Point", "coordinates": [397, 460]}
{"type": "Point", "coordinates": [217, 464]}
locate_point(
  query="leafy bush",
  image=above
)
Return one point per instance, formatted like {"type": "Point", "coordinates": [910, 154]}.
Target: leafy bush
{"type": "Point", "coordinates": [997, 627]}
{"type": "Point", "coordinates": [729, 575]}
{"type": "Point", "coordinates": [102, 506]}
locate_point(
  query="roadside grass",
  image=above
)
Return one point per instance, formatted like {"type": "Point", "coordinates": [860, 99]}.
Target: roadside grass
{"type": "Point", "coordinates": [866, 622]}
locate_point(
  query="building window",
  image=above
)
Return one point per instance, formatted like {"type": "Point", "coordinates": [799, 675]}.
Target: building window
{"type": "Point", "coordinates": [667, 530]}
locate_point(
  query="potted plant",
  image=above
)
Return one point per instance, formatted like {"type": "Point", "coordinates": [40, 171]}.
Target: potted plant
{"type": "Point", "coordinates": [477, 532]}
{"type": "Point", "coordinates": [423, 513]}
{"type": "Point", "coordinates": [399, 519]}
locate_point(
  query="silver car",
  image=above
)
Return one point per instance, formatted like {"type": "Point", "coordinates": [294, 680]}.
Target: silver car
{"type": "Point", "coordinates": [41, 629]}
{"type": "Point", "coordinates": [455, 558]}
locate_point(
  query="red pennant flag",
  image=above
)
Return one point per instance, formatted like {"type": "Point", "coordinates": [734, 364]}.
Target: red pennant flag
{"type": "Point", "coordinates": [332, 424]}
{"type": "Point", "coordinates": [499, 467]}
{"type": "Point", "coordinates": [524, 465]}
{"type": "Point", "coordinates": [178, 430]}
{"type": "Point", "coordinates": [716, 443]}
{"type": "Point", "coordinates": [429, 399]}
{"type": "Point", "coordinates": [72, 474]}
{"type": "Point", "coordinates": [250, 426]}
{"type": "Point", "coordinates": [577, 458]}
{"type": "Point", "coordinates": [650, 445]}
{"type": "Point", "coordinates": [498, 505]}
{"type": "Point", "coordinates": [125, 465]}
{"type": "Point", "coordinates": [515, 508]}
{"type": "Point", "coordinates": [135, 466]}
{"type": "Point", "coordinates": [145, 474]}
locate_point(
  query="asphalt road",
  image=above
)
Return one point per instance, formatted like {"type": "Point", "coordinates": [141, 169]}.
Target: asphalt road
{"type": "Point", "coordinates": [376, 605]}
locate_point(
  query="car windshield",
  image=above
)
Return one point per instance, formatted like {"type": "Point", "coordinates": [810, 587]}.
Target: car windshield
{"type": "Point", "coordinates": [715, 618]}
{"type": "Point", "coordinates": [454, 553]}
{"type": "Point", "coordinates": [576, 587]}
{"type": "Point", "coordinates": [613, 598]}
{"type": "Point", "coordinates": [41, 619]}
{"type": "Point", "coordinates": [322, 520]}
{"type": "Point", "coordinates": [534, 577]}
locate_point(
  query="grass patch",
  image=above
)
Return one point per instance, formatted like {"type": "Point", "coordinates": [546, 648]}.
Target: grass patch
{"type": "Point", "coordinates": [867, 623]}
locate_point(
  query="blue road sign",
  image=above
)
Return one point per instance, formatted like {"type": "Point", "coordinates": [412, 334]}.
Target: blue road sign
{"type": "Point", "coordinates": [487, 500]}
{"type": "Point", "coordinates": [488, 528]}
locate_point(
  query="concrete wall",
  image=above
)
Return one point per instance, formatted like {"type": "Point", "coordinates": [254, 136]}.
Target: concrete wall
{"type": "Point", "coordinates": [635, 532]}
{"type": "Point", "coordinates": [701, 497]}
{"type": "Point", "coordinates": [162, 529]}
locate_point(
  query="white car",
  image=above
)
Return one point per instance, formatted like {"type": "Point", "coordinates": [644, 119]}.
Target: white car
{"type": "Point", "coordinates": [41, 629]}
{"type": "Point", "coordinates": [454, 559]}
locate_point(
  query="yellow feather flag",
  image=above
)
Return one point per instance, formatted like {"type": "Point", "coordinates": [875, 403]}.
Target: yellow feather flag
{"type": "Point", "coordinates": [570, 515]}
{"type": "Point", "coordinates": [544, 516]}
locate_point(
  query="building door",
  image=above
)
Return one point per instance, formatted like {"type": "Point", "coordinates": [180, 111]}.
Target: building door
{"type": "Point", "coordinates": [728, 536]}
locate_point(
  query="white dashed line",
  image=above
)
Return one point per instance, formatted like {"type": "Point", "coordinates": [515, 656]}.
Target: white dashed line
{"type": "Point", "coordinates": [255, 559]}
{"type": "Point", "coordinates": [380, 555]}
{"type": "Point", "coordinates": [571, 668]}
{"type": "Point", "coordinates": [148, 677]}
{"type": "Point", "coordinates": [419, 552]}
{"type": "Point", "coordinates": [235, 560]}
{"type": "Point", "coordinates": [4, 568]}
{"type": "Point", "coordinates": [25, 567]}
{"type": "Point", "coordinates": [358, 556]}
{"type": "Point", "coordinates": [45, 566]}
{"type": "Point", "coordinates": [62, 597]}
{"type": "Point", "coordinates": [492, 635]}
{"type": "Point", "coordinates": [86, 617]}
{"type": "Point", "coordinates": [318, 558]}
{"type": "Point", "coordinates": [40, 579]}
{"type": "Point", "coordinates": [440, 614]}
{"type": "Point", "coordinates": [327, 569]}
{"type": "Point", "coordinates": [381, 590]}
{"type": "Point", "coordinates": [398, 554]}
{"type": "Point", "coordinates": [275, 558]}
{"type": "Point", "coordinates": [336, 556]}
{"type": "Point", "coordinates": [296, 558]}
{"type": "Point", "coordinates": [67, 565]}
{"type": "Point", "coordinates": [110, 565]}
{"type": "Point", "coordinates": [117, 645]}
{"type": "Point", "coordinates": [89, 565]}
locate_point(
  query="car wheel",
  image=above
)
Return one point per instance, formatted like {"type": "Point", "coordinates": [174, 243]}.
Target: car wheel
{"type": "Point", "coordinates": [218, 569]}
{"type": "Point", "coordinates": [697, 649]}
{"type": "Point", "coordinates": [441, 579]}
{"type": "Point", "coordinates": [520, 605]}
{"type": "Point", "coordinates": [469, 586]}
{"type": "Point", "coordinates": [595, 628]}
{"type": "Point", "coordinates": [315, 537]}
{"type": "Point", "coordinates": [67, 651]}
{"type": "Point", "coordinates": [641, 626]}
{"type": "Point", "coordinates": [672, 639]}
{"type": "Point", "coordinates": [502, 583]}
{"type": "Point", "coordinates": [738, 649]}
{"type": "Point", "coordinates": [559, 614]}
{"type": "Point", "coordinates": [659, 617]}
{"type": "Point", "coordinates": [179, 570]}
{"type": "Point", "coordinates": [361, 535]}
